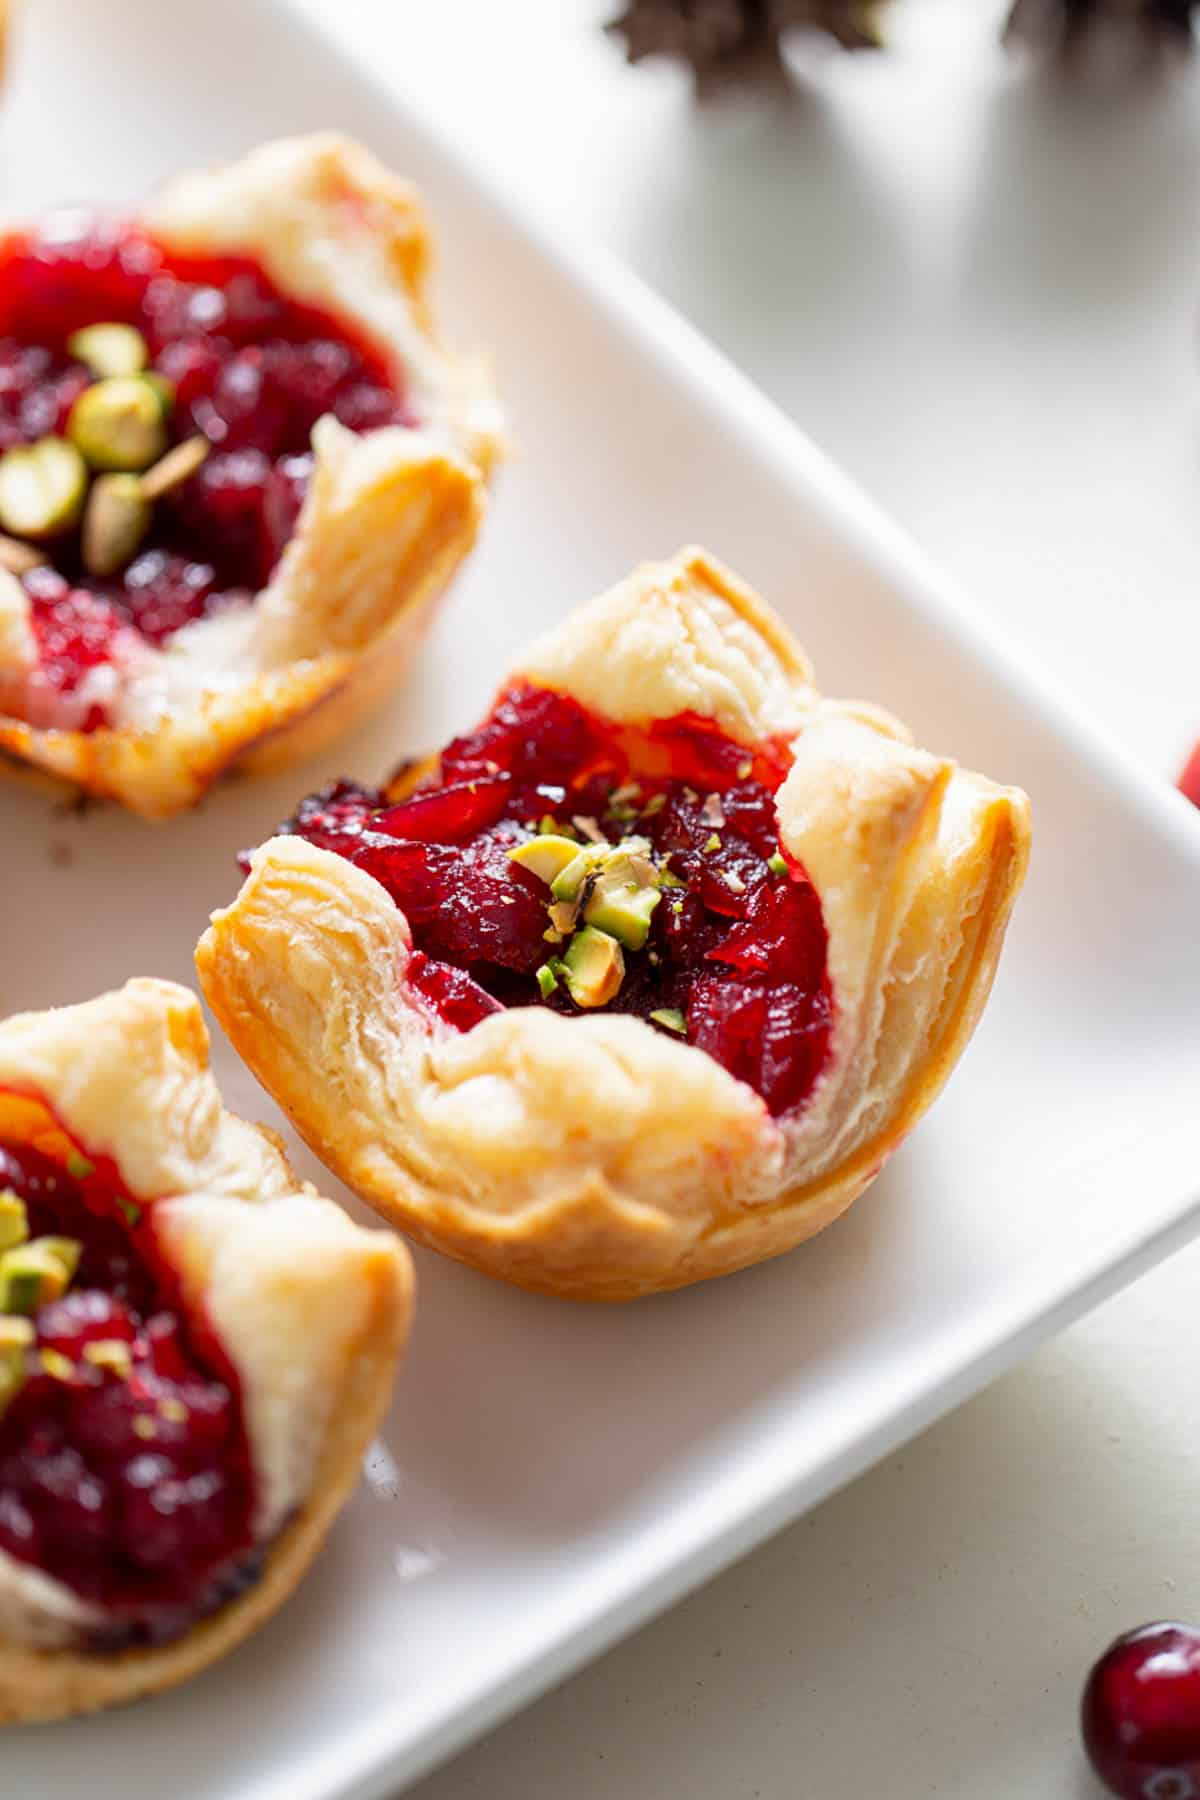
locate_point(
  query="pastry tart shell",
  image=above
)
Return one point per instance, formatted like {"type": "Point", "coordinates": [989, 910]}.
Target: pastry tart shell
{"type": "Point", "coordinates": [132, 1058]}
{"type": "Point", "coordinates": [592, 1156]}
{"type": "Point", "coordinates": [389, 517]}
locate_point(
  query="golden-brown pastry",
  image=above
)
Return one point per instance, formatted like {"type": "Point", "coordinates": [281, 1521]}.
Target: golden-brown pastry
{"type": "Point", "coordinates": [195, 1350]}
{"type": "Point", "coordinates": [644, 979]}
{"type": "Point", "coordinates": [238, 469]}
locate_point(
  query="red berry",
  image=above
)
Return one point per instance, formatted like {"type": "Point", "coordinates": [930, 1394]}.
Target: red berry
{"type": "Point", "coordinates": [1189, 781]}
{"type": "Point", "coordinates": [1141, 1714]}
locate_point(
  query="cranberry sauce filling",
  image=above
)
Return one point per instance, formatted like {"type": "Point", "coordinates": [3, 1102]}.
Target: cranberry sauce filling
{"type": "Point", "coordinates": [239, 372]}
{"type": "Point", "coordinates": [124, 1467]}
{"type": "Point", "coordinates": [719, 938]}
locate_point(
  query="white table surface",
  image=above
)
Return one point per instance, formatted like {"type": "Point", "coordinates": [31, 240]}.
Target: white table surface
{"type": "Point", "coordinates": [979, 291]}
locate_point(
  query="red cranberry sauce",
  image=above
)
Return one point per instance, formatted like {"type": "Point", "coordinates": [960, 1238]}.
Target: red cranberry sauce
{"type": "Point", "coordinates": [736, 953]}
{"type": "Point", "coordinates": [124, 1470]}
{"type": "Point", "coordinates": [248, 370]}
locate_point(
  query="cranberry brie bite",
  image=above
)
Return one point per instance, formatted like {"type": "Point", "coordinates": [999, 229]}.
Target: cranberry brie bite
{"type": "Point", "coordinates": [236, 470]}
{"type": "Point", "coordinates": [195, 1350]}
{"type": "Point", "coordinates": [643, 978]}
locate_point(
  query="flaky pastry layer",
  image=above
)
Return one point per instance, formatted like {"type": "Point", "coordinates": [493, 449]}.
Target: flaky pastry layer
{"type": "Point", "coordinates": [311, 1310]}
{"type": "Point", "coordinates": [389, 515]}
{"type": "Point", "coordinates": [593, 1156]}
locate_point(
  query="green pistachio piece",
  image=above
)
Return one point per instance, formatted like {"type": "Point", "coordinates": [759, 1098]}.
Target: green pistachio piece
{"type": "Point", "coordinates": [570, 879]}
{"type": "Point", "coordinates": [18, 558]}
{"type": "Point", "coordinates": [622, 901]}
{"type": "Point", "coordinates": [16, 1340]}
{"type": "Point", "coordinates": [118, 423]}
{"type": "Point", "coordinates": [547, 980]}
{"type": "Point", "coordinates": [14, 1225]}
{"type": "Point", "coordinates": [546, 857]}
{"type": "Point", "coordinates": [112, 1354]}
{"type": "Point", "coordinates": [80, 1166]}
{"type": "Point", "coordinates": [42, 487]}
{"type": "Point", "coordinates": [593, 967]}
{"type": "Point", "coordinates": [176, 467]}
{"type": "Point", "coordinates": [713, 842]}
{"type": "Point", "coordinates": [36, 1272]}
{"type": "Point", "coordinates": [671, 1018]}
{"type": "Point", "coordinates": [777, 863]}
{"type": "Point", "coordinates": [109, 349]}
{"type": "Point", "coordinates": [163, 391]}
{"type": "Point", "coordinates": [115, 520]}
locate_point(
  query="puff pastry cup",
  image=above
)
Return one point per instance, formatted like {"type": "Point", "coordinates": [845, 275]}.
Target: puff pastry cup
{"type": "Point", "coordinates": [291, 1318]}
{"type": "Point", "coordinates": [319, 230]}
{"type": "Point", "coordinates": [583, 1151]}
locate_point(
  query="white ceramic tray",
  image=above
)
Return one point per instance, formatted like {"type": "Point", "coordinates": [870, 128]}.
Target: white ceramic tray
{"type": "Point", "coordinates": [552, 1475]}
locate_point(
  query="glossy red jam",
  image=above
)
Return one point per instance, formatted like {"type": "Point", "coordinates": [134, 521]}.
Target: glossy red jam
{"type": "Point", "coordinates": [249, 370]}
{"type": "Point", "coordinates": [736, 953]}
{"type": "Point", "coordinates": [132, 1485]}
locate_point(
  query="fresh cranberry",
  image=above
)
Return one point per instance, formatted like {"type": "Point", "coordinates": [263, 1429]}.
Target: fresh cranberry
{"type": "Point", "coordinates": [1189, 781]}
{"type": "Point", "coordinates": [1141, 1714]}
{"type": "Point", "coordinates": [737, 947]}
{"type": "Point", "coordinates": [124, 1469]}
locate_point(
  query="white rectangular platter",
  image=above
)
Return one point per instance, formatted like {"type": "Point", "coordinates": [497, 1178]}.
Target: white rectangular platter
{"type": "Point", "coordinates": [551, 1475]}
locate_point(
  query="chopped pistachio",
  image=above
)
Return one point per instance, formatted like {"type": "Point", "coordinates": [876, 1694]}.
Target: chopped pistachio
{"type": "Point", "coordinates": [547, 981]}
{"type": "Point", "coordinates": [115, 520]}
{"type": "Point", "coordinates": [670, 1017]}
{"type": "Point", "coordinates": [118, 423]}
{"type": "Point", "coordinates": [163, 391]}
{"type": "Point", "coordinates": [35, 1272]}
{"type": "Point", "coordinates": [549, 826]}
{"type": "Point", "coordinates": [562, 918]}
{"type": "Point", "coordinates": [677, 907]}
{"type": "Point", "coordinates": [16, 1340]}
{"type": "Point", "coordinates": [667, 878]}
{"type": "Point", "coordinates": [713, 842]}
{"type": "Point", "coordinates": [623, 897]}
{"type": "Point", "coordinates": [172, 1410]}
{"type": "Point", "coordinates": [777, 863]}
{"type": "Point", "coordinates": [593, 967]}
{"type": "Point", "coordinates": [143, 1426]}
{"type": "Point", "coordinates": [15, 1334]}
{"type": "Point", "coordinates": [14, 1225]}
{"type": "Point", "coordinates": [654, 804]}
{"type": "Point", "coordinates": [113, 1354]}
{"type": "Point", "coordinates": [176, 467]}
{"type": "Point", "coordinates": [80, 1166]}
{"type": "Point", "coordinates": [42, 487]}
{"type": "Point", "coordinates": [60, 1367]}
{"type": "Point", "coordinates": [745, 768]}
{"type": "Point", "coordinates": [109, 349]}
{"type": "Point", "coordinates": [18, 558]}
{"type": "Point", "coordinates": [546, 857]}
{"type": "Point", "coordinates": [129, 1212]}
{"type": "Point", "coordinates": [567, 884]}
{"type": "Point", "coordinates": [621, 796]}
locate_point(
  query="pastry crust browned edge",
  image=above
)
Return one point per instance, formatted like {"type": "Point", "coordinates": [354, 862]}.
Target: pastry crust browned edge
{"type": "Point", "coordinates": [593, 1157]}
{"type": "Point", "coordinates": [39, 1685]}
{"type": "Point", "coordinates": [169, 1067]}
{"type": "Point", "coordinates": [389, 517]}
